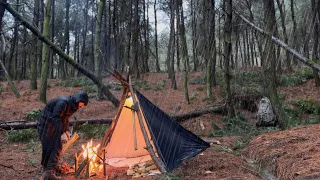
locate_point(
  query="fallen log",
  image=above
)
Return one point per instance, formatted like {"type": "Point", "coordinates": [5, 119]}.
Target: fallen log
{"type": "Point", "coordinates": [193, 114]}
{"type": "Point", "coordinates": [15, 125]}
{"type": "Point", "coordinates": [21, 124]}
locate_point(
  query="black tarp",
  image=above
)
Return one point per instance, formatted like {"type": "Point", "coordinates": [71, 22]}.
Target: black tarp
{"type": "Point", "coordinates": [174, 143]}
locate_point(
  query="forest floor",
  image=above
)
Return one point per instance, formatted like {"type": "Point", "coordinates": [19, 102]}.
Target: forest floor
{"type": "Point", "coordinates": [290, 154]}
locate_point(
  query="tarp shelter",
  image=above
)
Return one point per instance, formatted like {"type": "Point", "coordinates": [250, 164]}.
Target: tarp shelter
{"type": "Point", "coordinates": [125, 141]}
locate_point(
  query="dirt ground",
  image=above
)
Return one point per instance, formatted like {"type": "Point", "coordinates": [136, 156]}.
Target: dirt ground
{"type": "Point", "coordinates": [289, 154]}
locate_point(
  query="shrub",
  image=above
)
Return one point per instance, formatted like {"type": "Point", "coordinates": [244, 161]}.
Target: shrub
{"type": "Point", "coordinates": [160, 85]}
{"type": "Point", "coordinates": [296, 78]}
{"type": "Point", "coordinates": [75, 82]}
{"type": "Point", "coordinates": [91, 130]}
{"type": "Point", "coordinates": [33, 114]}
{"type": "Point", "coordinates": [90, 89]}
{"type": "Point", "coordinates": [113, 86]}
{"type": "Point", "coordinates": [24, 135]}
{"type": "Point", "coordinates": [308, 106]}
{"type": "Point", "coordinates": [198, 80]}
{"type": "Point", "coordinates": [290, 80]}
{"type": "Point", "coordinates": [142, 84]}
{"type": "Point", "coordinates": [306, 72]}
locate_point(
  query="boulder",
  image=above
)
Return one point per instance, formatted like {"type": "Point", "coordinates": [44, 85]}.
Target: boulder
{"type": "Point", "coordinates": [265, 116]}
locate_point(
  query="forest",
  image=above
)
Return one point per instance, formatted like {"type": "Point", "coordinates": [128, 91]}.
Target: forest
{"type": "Point", "coordinates": [209, 64]}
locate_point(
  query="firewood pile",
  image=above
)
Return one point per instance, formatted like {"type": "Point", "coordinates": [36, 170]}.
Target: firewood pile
{"type": "Point", "coordinates": [63, 168]}
{"type": "Point", "coordinates": [143, 169]}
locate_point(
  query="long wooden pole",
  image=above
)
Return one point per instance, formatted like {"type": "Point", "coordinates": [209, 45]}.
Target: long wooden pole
{"type": "Point", "coordinates": [149, 147]}
{"type": "Point", "coordinates": [283, 45]}
{"type": "Point", "coordinates": [108, 135]}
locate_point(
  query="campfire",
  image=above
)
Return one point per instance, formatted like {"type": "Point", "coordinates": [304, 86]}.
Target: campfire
{"type": "Point", "coordinates": [89, 152]}
{"type": "Point", "coordinates": [90, 160]}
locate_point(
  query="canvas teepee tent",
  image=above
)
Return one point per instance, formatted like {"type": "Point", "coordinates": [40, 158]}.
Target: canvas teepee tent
{"type": "Point", "coordinates": [141, 131]}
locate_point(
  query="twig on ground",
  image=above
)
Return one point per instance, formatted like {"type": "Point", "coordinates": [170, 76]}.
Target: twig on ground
{"type": "Point", "coordinates": [11, 166]}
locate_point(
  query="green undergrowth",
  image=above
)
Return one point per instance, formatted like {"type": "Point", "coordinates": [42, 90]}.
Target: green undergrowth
{"type": "Point", "coordinates": [113, 86]}
{"type": "Point", "coordinates": [144, 85]}
{"type": "Point", "coordinates": [308, 108]}
{"type": "Point", "coordinates": [75, 82]}
{"type": "Point", "coordinates": [24, 135]}
{"type": "Point", "coordinates": [169, 176]}
{"type": "Point", "coordinates": [296, 78]}
{"type": "Point", "coordinates": [237, 126]}
{"type": "Point", "coordinates": [33, 114]}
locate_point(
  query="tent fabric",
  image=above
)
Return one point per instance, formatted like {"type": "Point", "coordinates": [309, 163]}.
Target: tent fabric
{"type": "Point", "coordinates": [174, 143]}
{"type": "Point", "coordinates": [121, 144]}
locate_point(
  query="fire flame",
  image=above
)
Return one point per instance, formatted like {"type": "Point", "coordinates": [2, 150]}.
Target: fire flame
{"type": "Point", "coordinates": [89, 151]}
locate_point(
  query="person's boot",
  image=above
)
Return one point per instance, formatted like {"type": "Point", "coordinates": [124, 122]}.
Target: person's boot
{"type": "Point", "coordinates": [49, 175]}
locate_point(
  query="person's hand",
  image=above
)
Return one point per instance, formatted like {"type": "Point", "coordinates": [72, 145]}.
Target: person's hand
{"type": "Point", "coordinates": [65, 137]}
{"type": "Point", "coordinates": [68, 134]}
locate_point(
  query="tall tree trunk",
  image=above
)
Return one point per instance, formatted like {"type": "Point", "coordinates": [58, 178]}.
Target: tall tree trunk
{"type": "Point", "coordinates": [156, 36]}
{"type": "Point", "coordinates": [178, 34]}
{"type": "Point", "coordinates": [52, 33]}
{"type": "Point", "coordinates": [35, 43]}
{"type": "Point", "coordinates": [40, 44]}
{"type": "Point", "coordinates": [97, 50]}
{"type": "Point", "coordinates": [194, 36]}
{"type": "Point", "coordinates": [315, 8]}
{"type": "Point", "coordinates": [269, 63]}
{"type": "Point", "coordinates": [66, 43]}
{"type": "Point", "coordinates": [294, 27]}
{"type": "Point", "coordinates": [221, 15]}
{"type": "Point", "coordinates": [171, 39]}
{"type": "Point", "coordinates": [145, 36]}
{"type": "Point", "coordinates": [24, 56]}
{"type": "Point", "coordinates": [12, 68]}
{"type": "Point", "coordinates": [135, 41]}
{"type": "Point", "coordinates": [171, 46]}
{"type": "Point", "coordinates": [184, 52]}
{"type": "Point", "coordinates": [227, 55]}
{"type": "Point", "coordinates": [211, 50]}
{"type": "Point", "coordinates": [91, 62]}
{"type": "Point", "coordinates": [97, 44]}
{"type": "Point", "coordinates": [84, 35]}
{"type": "Point", "coordinates": [129, 34]}
{"type": "Point", "coordinates": [16, 44]}
{"type": "Point", "coordinates": [45, 53]}
{"type": "Point", "coordinates": [281, 7]}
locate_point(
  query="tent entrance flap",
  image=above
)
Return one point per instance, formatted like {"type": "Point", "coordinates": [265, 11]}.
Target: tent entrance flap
{"type": "Point", "coordinates": [127, 140]}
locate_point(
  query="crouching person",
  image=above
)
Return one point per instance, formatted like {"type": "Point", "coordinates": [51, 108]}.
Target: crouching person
{"type": "Point", "coordinates": [52, 122]}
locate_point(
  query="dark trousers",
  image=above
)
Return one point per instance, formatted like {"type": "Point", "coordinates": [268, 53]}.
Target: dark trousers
{"type": "Point", "coordinates": [50, 137]}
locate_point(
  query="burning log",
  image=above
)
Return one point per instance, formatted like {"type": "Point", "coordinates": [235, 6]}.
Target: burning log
{"type": "Point", "coordinates": [143, 169]}
{"type": "Point", "coordinates": [81, 167]}
{"type": "Point", "coordinates": [90, 160]}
